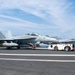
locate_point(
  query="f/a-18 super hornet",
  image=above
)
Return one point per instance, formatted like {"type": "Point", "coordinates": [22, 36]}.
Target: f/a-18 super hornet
{"type": "Point", "coordinates": [27, 40]}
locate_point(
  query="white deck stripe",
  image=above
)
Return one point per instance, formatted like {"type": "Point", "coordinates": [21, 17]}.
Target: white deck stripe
{"type": "Point", "coordinates": [37, 54]}
{"type": "Point", "coordinates": [39, 60]}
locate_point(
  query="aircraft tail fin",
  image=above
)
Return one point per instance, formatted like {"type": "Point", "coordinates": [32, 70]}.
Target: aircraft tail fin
{"type": "Point", "coordinates": [2, 36]}
{"type": "Point", "coordinates": [9, 35]}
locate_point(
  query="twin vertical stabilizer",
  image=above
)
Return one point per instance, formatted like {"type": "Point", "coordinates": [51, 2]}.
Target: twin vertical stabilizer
{"type": "Point", "coordinates": [8, 35]}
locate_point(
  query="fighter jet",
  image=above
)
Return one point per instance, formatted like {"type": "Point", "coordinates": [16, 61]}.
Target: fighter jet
{"type": "Point", "coordinates": [17, 41]}
{"type": "Point", "coordinates": [27, 40]}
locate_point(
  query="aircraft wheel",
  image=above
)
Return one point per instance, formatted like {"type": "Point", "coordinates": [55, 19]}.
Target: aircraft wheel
{"type": "Point", "coordinates": [8, 47]}
{"type": "Point", "coordinates": [67, 48]}
{"type": "Point", "coordinates": [18, 47]}
{"type": "Point", "coordinates": [33, 47]}
{"type": "Point", "coordinates": [55, 48]}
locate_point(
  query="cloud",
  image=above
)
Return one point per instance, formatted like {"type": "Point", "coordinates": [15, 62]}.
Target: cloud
{"type": "Point", "coordinates": [57, 14]}
{"type": "Point", "coordinates": [17, 13]}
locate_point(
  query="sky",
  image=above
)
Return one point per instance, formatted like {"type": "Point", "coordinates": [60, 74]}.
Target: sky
{"type": "Point", "coordinates": [55, 18]}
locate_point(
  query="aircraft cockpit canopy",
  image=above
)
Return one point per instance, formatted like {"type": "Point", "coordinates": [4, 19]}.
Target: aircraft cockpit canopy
{"type": "Point", "coordinates": [33, 34]}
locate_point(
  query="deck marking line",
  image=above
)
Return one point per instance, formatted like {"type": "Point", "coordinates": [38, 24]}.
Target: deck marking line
{"type": "Point", "coordinates": [38, 60]}
{"type": "Point", "coordinates": [5, 54]}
